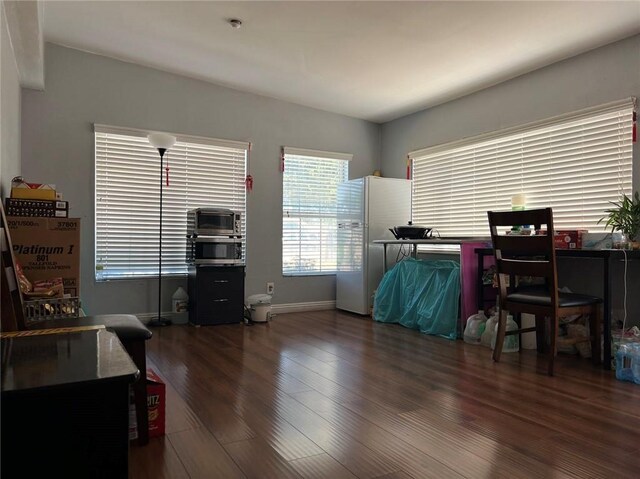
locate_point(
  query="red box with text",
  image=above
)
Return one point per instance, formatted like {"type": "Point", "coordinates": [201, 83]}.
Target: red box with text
{"type": "Point", "coordinates": [156, 403]}
{"type": "Point", "coordinates": [566, 239]}
{"type": "Point", "coordinates": [569, 239]}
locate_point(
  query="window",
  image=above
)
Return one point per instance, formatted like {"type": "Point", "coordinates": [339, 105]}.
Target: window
{"type": "Point", "coordinates": [202, 172]}
{"type": "Point", "coordinates": [309, 210]}
{"type": "Point", "coordinates": [575, 164]}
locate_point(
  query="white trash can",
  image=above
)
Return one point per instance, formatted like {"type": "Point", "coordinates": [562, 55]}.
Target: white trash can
{"type": "Point", "coordinates": [260, 307]}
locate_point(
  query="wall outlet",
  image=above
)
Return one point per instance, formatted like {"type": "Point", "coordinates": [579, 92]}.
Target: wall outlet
{"type": "Point", "coordinates": [270, 287]}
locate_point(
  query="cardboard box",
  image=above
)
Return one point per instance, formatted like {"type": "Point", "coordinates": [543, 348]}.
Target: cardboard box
{"type": "Point", "coordinates": [156, 403]}
{"type": "Point", "coordinates": [48, 248]}
{"type": "Point", "coordinates": [33, 191]}
{"type": "Point", "coordinates": [597, 241]}
{"type": "Point", "coordinates": [566, 239]}
{"type": "Point", "coordinates": [41, 208]}
{"type": "Point", "coordinates": [569, 239]}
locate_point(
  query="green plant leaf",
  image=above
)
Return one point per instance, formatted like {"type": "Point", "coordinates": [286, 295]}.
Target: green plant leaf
{"type": "Point", "coordinates": [625, 216]}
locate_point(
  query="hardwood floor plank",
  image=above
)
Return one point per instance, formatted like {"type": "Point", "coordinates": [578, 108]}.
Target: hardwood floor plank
{"type": "Point", "coordinates": [334, 440]}
{"type": "Point", "coordinates": [264, 422]}
{"type": "Point", "coordinates": [258, 460]}
{"type": "Point", "coordinates": [382, 441]}
{"type": "Point", "coordinates": [271, 426]}
{"type": "Point", "coordinates": [459, 437]}
{"type": "Point", "coordinates": [395, 475]}
{"type": "Point", "coordinates": [330, 394]}
{"type": "Point", "coordinates": [582, 457]}
{"type": "Point", "coordinates": [556, 401]}
{"type": "Point", "coordinates": [192, 377]}
{"type": "Point", "coordinates": [321, 466]}
{"type": "Point", "coordinates": [156, 460]}
{"type": "Point", "coordinates": [203, 456]}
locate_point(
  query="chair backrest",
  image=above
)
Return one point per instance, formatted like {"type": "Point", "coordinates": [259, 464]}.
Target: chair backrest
{"type": "Point", "coordinates": [11, 302]}
{"type": "Point", "coordinates": [524, 255]}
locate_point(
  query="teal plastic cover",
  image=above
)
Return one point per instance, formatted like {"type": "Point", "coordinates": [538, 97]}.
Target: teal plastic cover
{"type": "Point", "coordinates": [422, 295]}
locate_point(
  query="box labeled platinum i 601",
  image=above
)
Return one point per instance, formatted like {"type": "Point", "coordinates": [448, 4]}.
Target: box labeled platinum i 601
{"type": "Point", "coordinates": [48, 248]}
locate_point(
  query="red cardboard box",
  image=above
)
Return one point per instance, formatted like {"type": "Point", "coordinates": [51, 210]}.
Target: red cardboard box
{"type": "Point", "coordinates": [156, 403]}
{"type": "Point", "coordinates": [567, 239]}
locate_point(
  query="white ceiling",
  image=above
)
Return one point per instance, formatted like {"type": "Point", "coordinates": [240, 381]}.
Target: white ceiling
{"type": "Point", "coordinates": [371, 60]}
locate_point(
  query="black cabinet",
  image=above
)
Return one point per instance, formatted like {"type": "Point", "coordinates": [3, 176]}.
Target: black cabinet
{"type": "Point", "coordinates": [216, 294]}
{"type": "Point", "coordinates": [65, 405]}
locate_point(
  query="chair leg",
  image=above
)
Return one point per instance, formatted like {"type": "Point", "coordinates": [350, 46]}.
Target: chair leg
{"type": "Point", "coordinates": [553, 332]}
{"type": "Point", "coordinates": [502, 327]}
{"type": "Point", "coordinates": [137, 351]}
{"type": "Point", "coordinates": [541, 340]}
{"type": "Point", "coordinates": [595, 321]}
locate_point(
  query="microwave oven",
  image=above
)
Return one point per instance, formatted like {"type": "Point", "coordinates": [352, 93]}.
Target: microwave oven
{"type": "Point", "coordinates": [214, 251]}
{"type": "Point", "coordinates": [213, 222]}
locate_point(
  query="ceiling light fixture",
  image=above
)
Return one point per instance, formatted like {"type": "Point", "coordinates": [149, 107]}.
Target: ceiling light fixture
{"type": "Point", "coordinates": [235, 23]}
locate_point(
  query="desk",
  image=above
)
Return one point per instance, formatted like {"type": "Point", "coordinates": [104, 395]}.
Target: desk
{"type": "Point", "coordinates": [432, 241]}
{"type": "Point", "coordinates": [65, 405]}
{"type": "Point", "coordinates": [607, 256]}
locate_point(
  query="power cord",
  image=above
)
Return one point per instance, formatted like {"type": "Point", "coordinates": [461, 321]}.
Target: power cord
{"type": "Point", "coordinates": [402, 254]}
{"type": "Point", "coordinates": [247, 316]}
{"type": "Point", "coordinates": [624, 297]}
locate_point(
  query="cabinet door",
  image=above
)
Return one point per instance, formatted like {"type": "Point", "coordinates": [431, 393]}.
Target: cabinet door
{"type": "Point", "coordinates": [220, 295]}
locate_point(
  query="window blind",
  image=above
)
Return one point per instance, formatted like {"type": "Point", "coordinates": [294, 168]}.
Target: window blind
{"type": "Point", "coordinates": [309, 210]}
{"type": "Point", "coordinates": [202, 173]}
{"type": "Point", "coordinates": [575, 164]}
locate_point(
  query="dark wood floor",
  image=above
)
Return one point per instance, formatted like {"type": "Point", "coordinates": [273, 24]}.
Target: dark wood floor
{"type": "Point", "coordinates": [332, 395]}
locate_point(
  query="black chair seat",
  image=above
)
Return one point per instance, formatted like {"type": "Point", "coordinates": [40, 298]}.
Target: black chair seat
{"type": "Point", "coordinates": [541, 298]}
{"type": "Point", "coordinates": [126, 326]}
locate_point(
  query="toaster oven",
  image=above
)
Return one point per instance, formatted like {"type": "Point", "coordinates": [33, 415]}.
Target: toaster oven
{"type": "Point", "coordinates": [213, 222]}
{"type": "Point", "coordinates": [206, 250]}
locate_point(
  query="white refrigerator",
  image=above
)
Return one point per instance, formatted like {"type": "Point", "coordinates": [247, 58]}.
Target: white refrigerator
{"type": "Point", "coordinates": [367, 208]}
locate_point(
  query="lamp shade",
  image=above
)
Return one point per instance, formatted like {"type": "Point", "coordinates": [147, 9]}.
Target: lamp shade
{"type": "Point", "coordinates": [161, 140]}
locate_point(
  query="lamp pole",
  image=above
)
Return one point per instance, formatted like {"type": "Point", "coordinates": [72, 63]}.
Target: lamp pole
{"type": "Point", "coordinates": [162, 142]}
{"type": "Point", "coordinates": [161, 320]}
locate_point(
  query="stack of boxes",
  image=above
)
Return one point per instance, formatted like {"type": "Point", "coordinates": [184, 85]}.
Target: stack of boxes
{"type": "Point", "coordinates": [46, 242]}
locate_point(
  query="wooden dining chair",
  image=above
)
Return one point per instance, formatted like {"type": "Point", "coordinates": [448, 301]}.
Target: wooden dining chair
{"type": "Point", "coordinates": [534, 256]}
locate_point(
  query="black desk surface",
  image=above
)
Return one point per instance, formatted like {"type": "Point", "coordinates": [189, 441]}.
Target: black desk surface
{"type": "Point", "coordinates": [64, 360]}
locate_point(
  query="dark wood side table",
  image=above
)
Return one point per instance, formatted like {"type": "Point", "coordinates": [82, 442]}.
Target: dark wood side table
{"type": "Point", "coordinates": [65, 405]}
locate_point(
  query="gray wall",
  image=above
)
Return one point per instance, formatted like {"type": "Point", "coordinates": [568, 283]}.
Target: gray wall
{"type": "Point", "coordinates": [599, 76]}
{"type": "Point", "coordinates": [82, 89]}
{"type": "Point", "coordinates": [57, 142]}
{"type": "Point", "coordinates": [596, 77]}
{"type": "Point", "coordinates": [9, 111]}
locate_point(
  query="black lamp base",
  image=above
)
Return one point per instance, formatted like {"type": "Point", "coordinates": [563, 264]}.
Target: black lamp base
{"type": "Point", "coordinates": [159, 321]}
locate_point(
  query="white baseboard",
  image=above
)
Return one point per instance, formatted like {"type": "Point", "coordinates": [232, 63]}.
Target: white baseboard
{"type": "Point", "coordinates": [300, 307]}
{"type": "Point", "coordinates": [275, 309]}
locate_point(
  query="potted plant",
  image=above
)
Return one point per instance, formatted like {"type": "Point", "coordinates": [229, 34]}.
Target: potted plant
{"type": "Point", "coordinates": [625, 217]}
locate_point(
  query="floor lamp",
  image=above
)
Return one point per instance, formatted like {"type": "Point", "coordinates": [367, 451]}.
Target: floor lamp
{"type": "Point", "coordinates": [162, 142]}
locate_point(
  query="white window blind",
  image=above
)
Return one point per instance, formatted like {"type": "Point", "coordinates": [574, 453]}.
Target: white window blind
{"type": "Point", "coordinates": [309, 209]}
{"type": "Point", "coordinates": [575, 164]}
{"type": "Point", "coordinates": [202, 173]}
